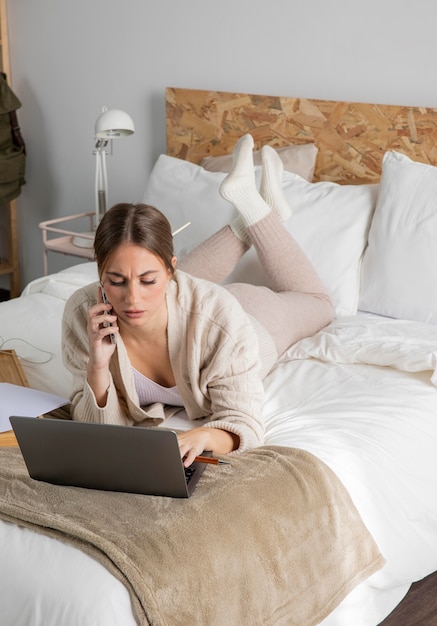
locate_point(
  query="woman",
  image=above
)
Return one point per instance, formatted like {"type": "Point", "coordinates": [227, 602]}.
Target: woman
{"type": "Point", "coordinates": [179, 340]}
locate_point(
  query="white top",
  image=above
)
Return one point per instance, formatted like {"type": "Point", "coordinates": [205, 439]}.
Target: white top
{"type": "Point", "coordinates": [149, 392]}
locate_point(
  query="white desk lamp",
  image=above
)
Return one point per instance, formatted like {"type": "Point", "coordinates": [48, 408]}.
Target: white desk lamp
{"type": "Point", "coordinates": [111, 124]}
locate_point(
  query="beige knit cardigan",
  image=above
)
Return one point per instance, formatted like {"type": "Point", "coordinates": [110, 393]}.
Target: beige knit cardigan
{"type": "Point", "coordinates": [214, 349]}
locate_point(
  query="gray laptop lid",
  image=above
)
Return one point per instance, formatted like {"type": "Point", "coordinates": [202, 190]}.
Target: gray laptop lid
{"type": "Point", "coordinates": [103, 456]}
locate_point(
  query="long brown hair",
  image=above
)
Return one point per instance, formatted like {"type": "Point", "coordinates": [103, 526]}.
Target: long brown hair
{"type": "Point", "coordinates": [140, 224]}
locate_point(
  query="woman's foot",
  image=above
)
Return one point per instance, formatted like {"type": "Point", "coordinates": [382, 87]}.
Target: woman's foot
{"type": "Point", "coordinates": [239, 186]}
{"type": "Point", "coordinates": [242, 174]}
{"type": "Point", "coordinates": [271, 182]}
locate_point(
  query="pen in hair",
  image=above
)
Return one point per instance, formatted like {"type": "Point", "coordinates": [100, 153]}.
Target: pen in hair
{"type": "Point", "coordinates": [175, 232]}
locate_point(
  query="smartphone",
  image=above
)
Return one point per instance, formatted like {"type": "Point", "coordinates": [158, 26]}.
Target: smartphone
{"type": "Point", "coordinates": [105, 301]}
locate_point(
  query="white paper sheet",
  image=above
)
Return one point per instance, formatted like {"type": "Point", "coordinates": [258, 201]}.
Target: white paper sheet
{"type": "Point", "coordinates": [17, 400]}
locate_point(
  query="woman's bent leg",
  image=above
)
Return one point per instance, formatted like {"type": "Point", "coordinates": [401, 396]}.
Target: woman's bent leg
{"type": "Point", "coordinates": [296, 305]}
{"type": "Point", "coordinates": [216, 258]}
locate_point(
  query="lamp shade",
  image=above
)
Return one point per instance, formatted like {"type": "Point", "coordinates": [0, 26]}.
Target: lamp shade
{"type": "Point", "coordinates": [113, 123]}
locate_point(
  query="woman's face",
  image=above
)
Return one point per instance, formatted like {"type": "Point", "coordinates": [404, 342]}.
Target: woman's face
{"type": "Point", "coordinates": [135, 283]}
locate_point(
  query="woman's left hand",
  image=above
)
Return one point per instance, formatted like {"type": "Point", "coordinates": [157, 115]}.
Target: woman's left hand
{"type": "Point", "coordinates": [193, 442]}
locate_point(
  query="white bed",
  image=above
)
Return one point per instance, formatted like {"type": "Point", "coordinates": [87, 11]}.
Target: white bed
{"type": "Point", "coordinates": [360, 395]}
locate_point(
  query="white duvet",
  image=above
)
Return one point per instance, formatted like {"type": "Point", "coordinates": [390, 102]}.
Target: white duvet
{"type": "Point", "coordinates": [361, 395]}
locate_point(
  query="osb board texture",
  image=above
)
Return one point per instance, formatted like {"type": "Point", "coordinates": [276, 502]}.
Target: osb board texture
{"type": "Point", "coordinates": [11, 372]}
{"type": "Point", "coordinates": [351, 137]}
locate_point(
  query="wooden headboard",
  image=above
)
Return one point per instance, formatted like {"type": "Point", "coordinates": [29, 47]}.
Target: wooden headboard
{"type": "Point", "coordinates": [351, 137]}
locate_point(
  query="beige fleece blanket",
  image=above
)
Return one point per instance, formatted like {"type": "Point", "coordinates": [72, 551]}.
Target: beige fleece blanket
{"type": "Point", "coordinates": [272, 539]}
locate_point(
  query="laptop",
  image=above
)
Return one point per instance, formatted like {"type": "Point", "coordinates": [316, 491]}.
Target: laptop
{"type": "Point", "coordinates": [103, 456]}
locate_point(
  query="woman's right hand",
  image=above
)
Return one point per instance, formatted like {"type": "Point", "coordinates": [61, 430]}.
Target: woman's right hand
{"type": "Point", "coordinates": [101, 324]}
{"type": "Point", "coordinates": [101, 348]}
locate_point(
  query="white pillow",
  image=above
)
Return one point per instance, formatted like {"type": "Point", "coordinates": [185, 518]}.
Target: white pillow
{"type": "Point", "coordinates": [186, 192]}
{"type": "Point", "coordinates": [299, 159]}
{"type": "Point", "coordinates": [329, 221]}
{"type": "Point", "coordinates": [399, 272]}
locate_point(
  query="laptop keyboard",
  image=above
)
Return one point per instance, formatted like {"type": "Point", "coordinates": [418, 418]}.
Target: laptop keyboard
{"type": "Point", "coordinates": [189, 471]}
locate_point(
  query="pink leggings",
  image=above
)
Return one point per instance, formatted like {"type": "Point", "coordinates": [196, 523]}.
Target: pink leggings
{"type": "Point", "coordinates": [295, 305]}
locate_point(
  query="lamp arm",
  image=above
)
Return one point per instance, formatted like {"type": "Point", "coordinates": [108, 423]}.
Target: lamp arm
{"type": "Point", "coordinates": [101, 181]}
{"type": "Point", "coordinates": [103, 192]}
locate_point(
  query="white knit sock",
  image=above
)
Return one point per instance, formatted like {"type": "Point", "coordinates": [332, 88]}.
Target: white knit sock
{"type": "Point", "coordinates": [239, 186]}
{"type": "Point", "coordinates": [271, 182]}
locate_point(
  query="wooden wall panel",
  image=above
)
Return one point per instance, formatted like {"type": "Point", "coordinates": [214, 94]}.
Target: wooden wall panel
{"type": "Point", "coordinates": [351, 137]}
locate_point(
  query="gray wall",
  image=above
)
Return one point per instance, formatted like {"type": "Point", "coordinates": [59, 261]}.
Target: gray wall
{"type": "Point", "coordinates": [69, 58]}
